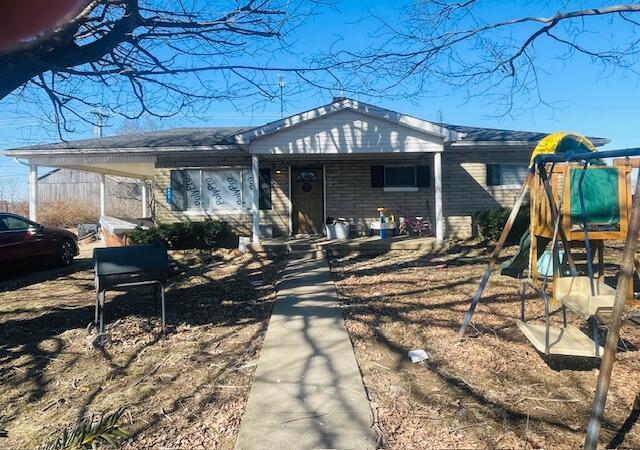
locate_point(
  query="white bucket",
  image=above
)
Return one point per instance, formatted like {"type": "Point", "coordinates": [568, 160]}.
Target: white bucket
{"type": "Point", "coordinates": [338, 230]}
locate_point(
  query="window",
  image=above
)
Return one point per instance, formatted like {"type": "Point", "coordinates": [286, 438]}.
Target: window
{"type": "Point", "coordinates": [14, 224]}
{"type": "Point", "coordinates": [193, 189]}
{"type": "Point", "coordinates": [265, 189]}
{"type": "Point", "coordinates": [226, 190]}
{"type": "Point", "coordinates": [400, 177]}
{"type": "Point", "coordinates": [215, 190]}
{"type": "Point", "coordinates": [511, 175]}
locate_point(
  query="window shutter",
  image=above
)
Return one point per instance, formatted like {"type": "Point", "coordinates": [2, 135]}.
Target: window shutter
{"type": "Point", "coordinates": [423, 176]}
{"type": "Point", "coordinates": [377, 176]}
{"type": "Point", "coordinates": [493, 174]}
{"type": "Point", "coordinates": [264, 190]}
{"type": "Point", "coordinates": [178, 191]}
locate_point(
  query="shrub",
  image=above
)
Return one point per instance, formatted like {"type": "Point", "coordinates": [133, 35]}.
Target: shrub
{"type": "Point", "coordinates": [491, 222]}
{"type": "Point", "coordinates": [60, 213]}
{"type": "Point", "coordinates": [182, 235]}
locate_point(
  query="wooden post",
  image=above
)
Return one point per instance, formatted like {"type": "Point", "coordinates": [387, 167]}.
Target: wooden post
{"type": "Point", "coordinates": [625, 277]}
{"type": "Point", "coordinates": [554, 214]}
{"type": "Point", "coordinates": [495, 255]}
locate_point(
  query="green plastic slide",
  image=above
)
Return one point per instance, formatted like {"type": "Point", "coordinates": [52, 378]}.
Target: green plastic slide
{"type": "Point", "coordinates": [518, 263]}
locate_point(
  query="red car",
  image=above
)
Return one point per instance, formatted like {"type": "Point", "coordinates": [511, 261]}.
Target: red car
{"type": "Point", "coordinates": [22, 240]}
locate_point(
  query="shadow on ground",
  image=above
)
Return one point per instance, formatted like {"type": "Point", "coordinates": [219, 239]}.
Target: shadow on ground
{"type": "Point", "coordinates": [398, 302]}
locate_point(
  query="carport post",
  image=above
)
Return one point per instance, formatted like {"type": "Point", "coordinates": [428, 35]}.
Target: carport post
{"type": "Point", "coordinates": [437, 185]}
{"type": "Point", "coordinates": [255, 205]}
{"type": "Point", "coordinates": [144, 198]}
{"type": "Point", "coordinates": [102, 194]}
{"type": "Point", "coordinates": [33, 192]}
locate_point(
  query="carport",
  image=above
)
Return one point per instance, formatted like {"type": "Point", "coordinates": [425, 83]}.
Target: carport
{"type": "Point", "coordinates": [135, 163]}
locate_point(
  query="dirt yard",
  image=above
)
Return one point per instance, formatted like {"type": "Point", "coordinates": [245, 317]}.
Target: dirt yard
{"type": "Point", "coordinates": [187, 390]}
{"type": "Point", "coordinates": [490, 390]}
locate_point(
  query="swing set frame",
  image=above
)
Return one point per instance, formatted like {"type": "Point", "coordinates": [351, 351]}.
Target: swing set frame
{"type": "Point", "coordinates": [555, 225]}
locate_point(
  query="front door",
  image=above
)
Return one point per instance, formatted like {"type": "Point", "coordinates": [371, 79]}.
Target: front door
{"type": "Point", "coordinates": [307, 200]}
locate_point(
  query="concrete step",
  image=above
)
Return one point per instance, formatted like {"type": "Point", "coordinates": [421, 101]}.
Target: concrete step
{"type": "Point", "coordinates": [308, 253]}
{"type": "Point", "coordinates": [355, 246]}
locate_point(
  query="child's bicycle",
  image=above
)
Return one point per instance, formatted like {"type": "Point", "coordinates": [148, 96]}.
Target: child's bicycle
{"type": "Point", "coordinates": [415, 226]}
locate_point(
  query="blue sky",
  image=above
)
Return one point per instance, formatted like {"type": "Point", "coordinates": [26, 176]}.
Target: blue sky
{"type": "Point", "coordinates": [587, 101]}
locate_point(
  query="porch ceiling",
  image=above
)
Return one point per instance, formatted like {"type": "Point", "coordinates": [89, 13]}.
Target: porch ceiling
{"type": "Point", "coordinates": [131, 170]}
{"type": "Point", "coordinates": [131, 166]}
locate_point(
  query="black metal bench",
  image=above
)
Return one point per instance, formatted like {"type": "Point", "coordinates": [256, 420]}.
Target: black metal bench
{"type": "Point", "coordinates": [117, 268]}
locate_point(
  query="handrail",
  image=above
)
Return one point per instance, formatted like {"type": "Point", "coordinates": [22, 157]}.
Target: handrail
{"type": "Point", "coordinates": [581, 156]}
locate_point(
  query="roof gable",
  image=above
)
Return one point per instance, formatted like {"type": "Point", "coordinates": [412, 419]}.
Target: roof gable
{"type": "Point", "coordinates": [346, 132]}
{"type": "Point", "coordinates": [343, 104]}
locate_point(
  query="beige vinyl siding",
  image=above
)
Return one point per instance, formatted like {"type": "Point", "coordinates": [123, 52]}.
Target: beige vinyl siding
{"type": "Point", "coordinates": [346, 132]}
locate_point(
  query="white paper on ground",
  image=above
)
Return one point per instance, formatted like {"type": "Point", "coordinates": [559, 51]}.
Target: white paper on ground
{"type": "Point", "coordinates": [418, 355]}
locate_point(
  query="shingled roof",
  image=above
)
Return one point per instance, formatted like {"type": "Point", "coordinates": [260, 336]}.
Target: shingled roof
{"type": "Point", "coordinates": [480, 134]}
{"type": "Point", "coordinates": [198, 138]}
{"type": "Point", "coordinates": [175, 137]}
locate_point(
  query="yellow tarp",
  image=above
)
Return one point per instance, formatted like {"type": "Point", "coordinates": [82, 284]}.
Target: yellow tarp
{"type": "Point", "coordinates": [561, 142]}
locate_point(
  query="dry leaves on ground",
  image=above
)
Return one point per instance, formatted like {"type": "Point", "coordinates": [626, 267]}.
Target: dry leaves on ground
{"type": "Point", "coordinates": [489, 390]}
{"type": "Point", "coordinates": [187, 390]}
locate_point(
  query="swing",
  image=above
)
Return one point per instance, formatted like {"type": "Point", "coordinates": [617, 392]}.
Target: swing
{"type": "Point", "coordinates": [589, 205]}
{"type": "Point", "coordinates": [593, 205]}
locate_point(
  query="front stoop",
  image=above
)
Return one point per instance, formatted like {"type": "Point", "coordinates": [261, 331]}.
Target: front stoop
{"type": "Point", "coordinates": [307, 392]}
{"type": "Point", "coordinates": [356, 246]}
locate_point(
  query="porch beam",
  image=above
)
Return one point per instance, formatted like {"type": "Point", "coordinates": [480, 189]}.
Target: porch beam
{"type": "Point", "coordinates": [33, 192]}
{"type": "Point", "coordinates": [437, 175]}
{"type": "Point", "coordinates": [255, 208]}
{"type": "Point", "coordinates": [102, 194]}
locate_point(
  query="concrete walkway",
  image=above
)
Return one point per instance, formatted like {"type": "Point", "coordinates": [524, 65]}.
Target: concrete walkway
{"type": "Point", "coordinates": [307, 392]}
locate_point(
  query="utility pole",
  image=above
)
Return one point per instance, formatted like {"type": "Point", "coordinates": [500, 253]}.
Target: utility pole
{"type": "Point", "coordinates": [281, 85]}
{"type": "Point", "coordinates": [100, 119]}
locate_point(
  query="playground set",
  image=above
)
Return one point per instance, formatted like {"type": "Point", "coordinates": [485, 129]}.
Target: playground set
{"type": "Point", "coordinates": [577, 203]}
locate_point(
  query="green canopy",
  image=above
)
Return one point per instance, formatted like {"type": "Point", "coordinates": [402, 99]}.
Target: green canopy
{"type": "Point", "coordinates": [601, 195]}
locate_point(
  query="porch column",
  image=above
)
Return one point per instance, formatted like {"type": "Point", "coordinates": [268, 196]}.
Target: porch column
{"type": "Point", "coordinates": [33, 192]}
{"type": "Point", "coordinates": [255, 208]}
{"type": "Point", "coordinates": [144, 198]}
{"type": "Point", "coordinates": [103, 178]}
{"type": "Point", "coordinates": [437, 175]}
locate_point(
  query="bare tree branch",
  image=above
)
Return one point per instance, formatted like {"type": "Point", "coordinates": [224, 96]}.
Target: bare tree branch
{"type": "Point", "coordinates": [147, 55]}
{"type": "Point", "coordinates": [450, 43]}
